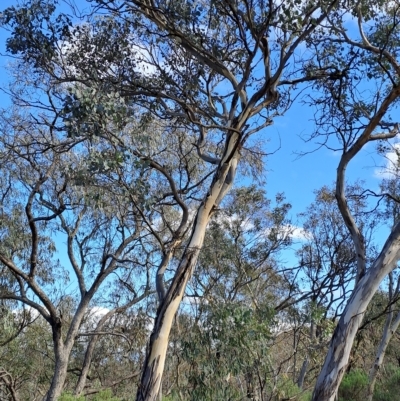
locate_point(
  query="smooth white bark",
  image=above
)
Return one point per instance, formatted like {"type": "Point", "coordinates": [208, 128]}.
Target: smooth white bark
{"type": "Point", "coordinates": [390, 328]}
{"type": "Point", "coordinates": [342, 340]}
{"type": "Point", "coordinates": [154, 365]}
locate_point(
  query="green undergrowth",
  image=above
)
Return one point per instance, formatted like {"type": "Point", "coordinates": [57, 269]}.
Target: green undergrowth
{"type": "Point", "coordinates": [105, 395]}
{"type": "Point", "coordinates": [354, 386]}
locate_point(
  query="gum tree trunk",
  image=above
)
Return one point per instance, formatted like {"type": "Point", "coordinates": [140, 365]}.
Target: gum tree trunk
{"type": "Point", "coordinates": [63, 348]}
{"type": "Point", "coordinates": [80, 385]}
{"type": "Point", "coordinates": [343, 337]}
{"type": "Point", "coordinates": [388, 331]}
{"type": "Point", "coordinates": [61, 355]}
{"type": "Point", "coordinates": [155, 360]}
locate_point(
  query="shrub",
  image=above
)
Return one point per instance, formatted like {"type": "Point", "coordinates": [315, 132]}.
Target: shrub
{"type": "Point", "coordinates": [354, 386]}
{"type": "Point", "coordinates": [388, 388]}
{"type": "Point", "coordinates": [286, 390]}
{"type": "Point", "coordinates": [66, 396]}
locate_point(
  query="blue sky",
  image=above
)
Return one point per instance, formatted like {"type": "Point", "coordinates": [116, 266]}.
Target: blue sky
{"type": "Point", "coordinates": [298, 177]}
{"type": "Point", "coordinates": [3, 60]}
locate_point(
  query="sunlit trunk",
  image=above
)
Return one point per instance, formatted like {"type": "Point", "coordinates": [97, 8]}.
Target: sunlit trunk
{"type": "Point", "coordinates": [343, 337]}
{"type": "Point", "coordinates": [155, 360]}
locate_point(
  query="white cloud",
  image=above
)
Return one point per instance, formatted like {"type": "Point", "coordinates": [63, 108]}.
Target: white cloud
{"type": "Point", "coordinates": [97, 312]}
{"type": "Point", "coordinates": [296, 232]}
{"type": "Point", "coordinates": [32, 312]}
{"type": "Point", "coordinates": [232, 221]}
{"type": "Point", "coordinates": [94, 315]}
{"type": "Point", "coordinates": [392, 167]}
{"type": "Point", "coordinates": [299, 233]}
{"type": "Point", "coordinates": [288, 230]}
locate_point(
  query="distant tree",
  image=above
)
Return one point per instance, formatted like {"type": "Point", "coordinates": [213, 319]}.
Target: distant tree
{"type": "Point", "coordinates": [328, 264]}
{"type": "Point", "coordinates": [56, 205]}
{"type": "Point", "coordinates": [26, 363]}
{"type": "Point", "coordinates": [240, 257]}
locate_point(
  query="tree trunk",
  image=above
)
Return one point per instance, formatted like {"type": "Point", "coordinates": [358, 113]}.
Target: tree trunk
{"type": "Point", "coordinates": [61, 355]}
{"type": "Point", "coordinates": [86, 364]}
{"type": "Point", "coordinates": [155, 360]}
{"type": "Point", "coordinates": [62, 349]}
{"type": "Point", "coordinates": [303, 371]}
{"type": "Point", "coordinates": [93, 341]}
{"type": "Point", "coordinates": [388, 332]}
{"type": "Point", "coordinates": [59, 376]}
{"type": "Point", "coordinates": [343, 337]}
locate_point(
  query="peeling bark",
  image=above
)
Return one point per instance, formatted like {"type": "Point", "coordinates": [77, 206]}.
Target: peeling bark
{"type": "Point", "coordinates": [155, 360]}
{"type": "Point", "coordinates": [154, 364]}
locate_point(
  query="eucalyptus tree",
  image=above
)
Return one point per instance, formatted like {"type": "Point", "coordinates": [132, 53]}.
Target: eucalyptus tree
{"type": "Point", "coordinates": [240, 256]}
{"type": "Point", "coordinates": [118, 324]}
{"type": "Point", "coordinates": [220, 71]}
{"type": "Point", "coordinates": [222, 344]}
{"type": "Point", "coordinates": [13, 322]}
{"type": "Point", "coordinates": [327, 260]}
{"type": "Point", "coordinates": [122, 189]}
{"type": "Point", "coordinates": [113, 356]}
{"type": "Point", "coordinates": [111, 206]}
{"type": "Point", "coordinates": [25, 364]}
{"type": "Point", "coordinates": [389, 193]}
{"type": "Point", "coordinates": [356, 110]}
{"type": "Point", "coordinates": [327, 255]}
{"type": "Point", "coordinates": [241, 279]}
{"type": "Point", "coordinates": [56, 192]}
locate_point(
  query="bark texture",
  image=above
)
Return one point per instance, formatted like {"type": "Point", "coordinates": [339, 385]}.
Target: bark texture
{"type": "Point", "coordinates": [61, 354]}
{"type": "Point", "coordinates": [155, 360]}
{"type": "Point", "coordinates": [343, 337]}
